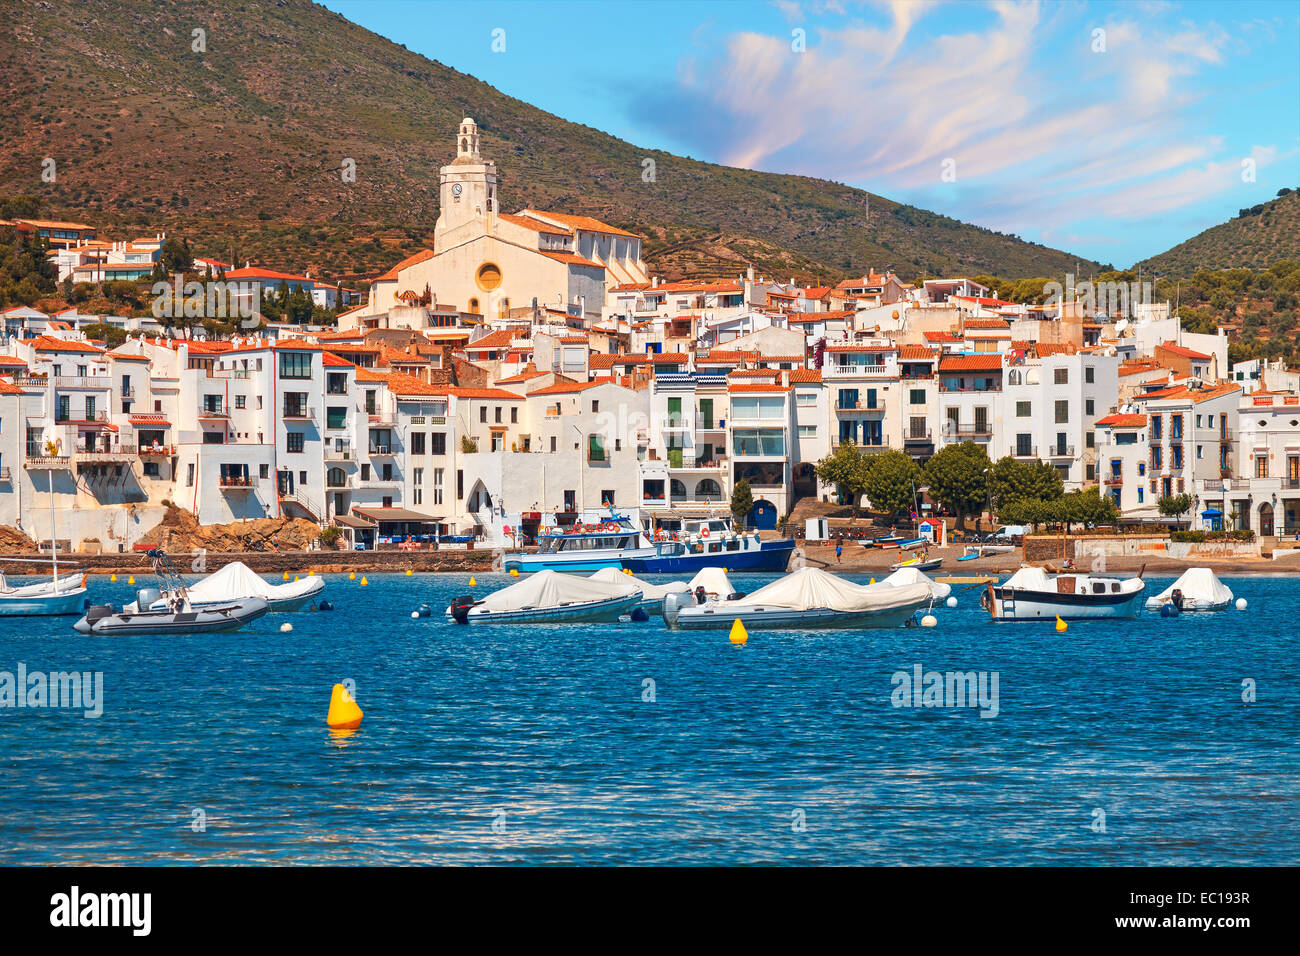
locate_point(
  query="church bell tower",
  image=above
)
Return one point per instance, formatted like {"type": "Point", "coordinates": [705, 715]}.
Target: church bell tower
{"type": "Point", "coordinates": [467, 193]}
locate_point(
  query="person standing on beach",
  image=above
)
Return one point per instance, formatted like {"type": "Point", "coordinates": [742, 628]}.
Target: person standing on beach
{"type": "Point", "coordinates": [839, 550]}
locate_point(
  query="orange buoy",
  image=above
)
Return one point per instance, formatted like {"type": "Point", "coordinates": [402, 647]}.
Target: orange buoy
{"type": "Point", "coordinates": [344, 714]}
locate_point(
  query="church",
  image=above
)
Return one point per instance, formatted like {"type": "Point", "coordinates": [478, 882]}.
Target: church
{"type": "Point", "coordinates": [488, 263]}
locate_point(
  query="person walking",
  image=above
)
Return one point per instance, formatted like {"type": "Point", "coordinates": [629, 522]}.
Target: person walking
{"type": "Point", "coordinates": [839, 550]}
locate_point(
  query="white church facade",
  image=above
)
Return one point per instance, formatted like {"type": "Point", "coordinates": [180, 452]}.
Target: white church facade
{"type": "Point", "coordinates": [488, 263]}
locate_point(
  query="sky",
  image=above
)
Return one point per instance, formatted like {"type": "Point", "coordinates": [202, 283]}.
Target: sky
{"type": "Point", "coordinates": [1111, 130]}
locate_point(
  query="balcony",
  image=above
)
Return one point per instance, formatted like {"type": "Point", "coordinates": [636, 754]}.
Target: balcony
{"type": "Point", "coordinates": [214, 412]}
{"type": "Point", "coordinates": [156, 450]}
{"type": "Point", "coordinates": [1215, 486]}
{"type": "Point", "coordinates": [717, 463]}
{"type": "Point", "coordinates": [832, 370]}
{"type": "Point", "coordinates": [867, 443]}
{"type": "Point", "coordinates": [93, 453]}
{"type": "Point", "coordinates": [346, 453]}
{"type": "Point", "coordinates": [381, 419]}
{"type": "Point", "coordinates": [300, 413]}
{"type": "Point", "coordinates": [978, 430]}
{"type": "Point", "coordinates": [382, 451]}
{"type": "Point", "coordinates": [65, 417]}
{"type": "Point", "coordinates": [82, 381]}
{"type": "Point", "coordinates": [919, 438]}
{"type": "Point", "coordinates": [861, 405]}
{"type": "Point", "coordinates": [1113, 481]}
{"type": "Point", "coordinates": [126, 393]}
{"type": "Point", "coordinates": [677, 423]}
{"type": "Point", "coordinates": [1017, 452]}
{"type": "Point", "coordinates": [232, 481]}
{"type": "Point", "coordinates": [1060, 451]}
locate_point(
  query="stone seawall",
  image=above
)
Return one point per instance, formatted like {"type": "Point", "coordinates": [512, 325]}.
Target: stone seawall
{"type": "Point", "coordinates": [295, 562]}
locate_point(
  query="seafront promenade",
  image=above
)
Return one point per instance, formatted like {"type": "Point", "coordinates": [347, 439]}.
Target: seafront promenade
{"type": "Point", "coordinates": [263, 562]}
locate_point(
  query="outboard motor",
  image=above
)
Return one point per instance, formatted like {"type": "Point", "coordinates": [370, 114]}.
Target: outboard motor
{"type": "Point", "coordinates": [145, 597]}
{"type": "Point", "coordinates": [700, 594]}
{"type": "Point", "coordinates": [1177, 598]}
{"type": "Point", "coordinates": [460, 608]}
{"type": "Point", "coordinates": [673, 604]}
{"type": "Point", "coordinates": [324, 606]}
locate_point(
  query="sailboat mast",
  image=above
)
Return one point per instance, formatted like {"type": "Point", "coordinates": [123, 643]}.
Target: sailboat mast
{"type": "Point", "coordinates": [54, 537]}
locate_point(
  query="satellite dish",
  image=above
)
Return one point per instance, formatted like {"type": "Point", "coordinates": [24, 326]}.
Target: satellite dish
{"type": "Point", "coordinates": [1120, 326]}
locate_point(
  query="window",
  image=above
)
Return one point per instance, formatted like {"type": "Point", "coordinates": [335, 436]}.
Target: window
{"type": "Point", "coordinates": [1061, 376]}
{"type": "Point", "coordinates": [417, 491]}
{"type": "Point", "coordinates": [1024, 409]}
{"type": "Point", "coordinates": [1261, 466]}
{"type": "Point", "coordinates": [302, 477]}
{"type": "Point", "coordinates": [1089, 407]}
{"type": "Point", "coordinates": [801, 399]}
{"type": "Point", "coordinates": [482, 414]}
{"type": "Point", "coordinates": [439, 443]}
{"type": "Point", "coordinates": [212, 404]}
{"type": "Point", "coordinates": [1157, 427]}
{"type": "Point", "coordinates": [336, 383]}
{"type": "Point", "coordinates": [1024, 446]}
{"type": "Point", "coordinates": [295, 365]}
{"type": "Point", "coordinates": [757, 407]}
{"type": "Point", "coordinates": [1089, 374]}
{"type": "Point", "coordinates": [497, 414]}
{"type": "Point", "coordinates": [552, 444]}
{"type": "Point", "coordinates": [293, 441]}
{"type": "Point", "coordinates": [336, 417]}
{"type": "Point", "coordinates": [241, 401]}
{"type": "Point", "coordinates": [295, 404]}
{"type": "Point", "coordinates": [768, 442]}
{"type": "Point", "coordinates": [460, 485]}
{"type": "Point", "coordinates": [1062, 411]}
{"type": "Point", "coordinates": [437, 486]}
{"type": "Point", "coordinates": [370, 401]}
{"type": "Point", "coordinates": [916, 396]}
{"type": "Point", "coordinates": [264, 471]}
{"type": "Point", "coordinates": [365, 472]}
{"type": "Point", "coordinates": [90, 408]}
{"type": "Point", "coordinates": [595, 448]}
{"type": "Point", "coordinates": [1140, 495]}
{"type": "Point", "coordinates": [1090, 439]}
{"type": "Point", "coordinates": [595, 406]}
{"type": "Point", "coordinates": [514, 414]}
{"type": "Point", "coordinates": [189, 475]}
{"type": "Point", "coordinates": [807, 431]}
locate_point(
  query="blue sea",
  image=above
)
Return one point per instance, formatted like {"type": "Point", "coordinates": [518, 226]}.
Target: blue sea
{"type": "Point", "coordinates": [1113, 743]}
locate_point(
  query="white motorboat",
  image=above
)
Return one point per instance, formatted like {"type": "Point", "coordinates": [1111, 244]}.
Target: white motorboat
{"type": "Point", "coordinates": [176, 616]}
{"type": "Point", "coordinates": [549, 597]}
{"type": "Point", "coordinates": [1031, 594]}
{"type": "Point", "coordinates": [61, 595]}
{"type": "Point", "coordinates": [804, 599]}
{"type": "Point", "coordinates": [1198, 589]}
{"type": "Point", "coordinates": [913, 575]}
{"type": "Point", "coordinates": [236, 581]}
{"type": "Point", "coordinates": [652, 595]}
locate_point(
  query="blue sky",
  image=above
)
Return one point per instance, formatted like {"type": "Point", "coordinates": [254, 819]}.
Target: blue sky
{"type": "Point", "coordinates": [1017, 116]}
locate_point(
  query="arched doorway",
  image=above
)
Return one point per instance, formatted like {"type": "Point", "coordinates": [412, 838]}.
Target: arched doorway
{"type": "Point", "coordinates": [805, 481]}
{"type": "Point", "coordinates": [763, 515]}
{"type": "Point", "coordinates": [677, 490]}
{"type": "Point", "coordinates": [1266, 520]}
{"type": "Point", "coordinates": [708, 490]}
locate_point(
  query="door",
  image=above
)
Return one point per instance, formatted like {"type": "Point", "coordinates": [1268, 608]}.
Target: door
{"type": "Point", "coordinates": [706, 412]}
{"type": "Point", "coordinates": [763, 515]}
{"type": "Point", "coordinates": [1266, 520]}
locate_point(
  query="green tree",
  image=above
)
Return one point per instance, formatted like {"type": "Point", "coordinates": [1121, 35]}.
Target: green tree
{"type": "Point", "coordinates": [891, 480]}
{"type": "Point", "coordinates": [174, 256]}
{"type": "Point", "coordinates": [742, 502]}
{"type": "Point", "coordinates": [846, 468]}
{"type": "Point", "coordinates": [1173, 506]}
{"type": "Point", "coordinates": [1012, 480]}
{"type": "Point", "coordinates": [105, 332]}
{"type": "Point", "coordinates": [958, 476]}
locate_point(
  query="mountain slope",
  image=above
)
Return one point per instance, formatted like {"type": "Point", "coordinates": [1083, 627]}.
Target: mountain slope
{"type": "Point", "coordinates": [1255, 239]}
{"type": "Point", "coordinates": [241, 146]}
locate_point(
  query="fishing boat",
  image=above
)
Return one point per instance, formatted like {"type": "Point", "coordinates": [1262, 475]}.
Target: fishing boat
{"type": "Point", "coordinates": [652, 595]}
{"type": "Point", "coordinates": [808, 598]}
{"type": "Point", "coordinates": [177, 616]}
{"type": "Point", "coordinates": [1198, 589]}
{"type": "Point", "coordinates": [64, 595]}
{"type": "Point", "coordinates": [709, 542]}
{"type": "Point", "coordinates": [1032, 594]}
{"type": "Point", "coordinates": [600, 541]}
{"type": "Point", "coordinates": [237, 581]}
{"type": "Point", "coordinates": [548, 597]}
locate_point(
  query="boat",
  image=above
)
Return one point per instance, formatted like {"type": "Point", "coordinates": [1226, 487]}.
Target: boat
{"type": "Point", "coordinates": [709, 542]}
{"type": "Point", "coordinates": [920, 563]}
{"type": "Point", "coordinates": [804, 599]}
{"type": "Point", "coordinates": [177, 616]}
{"type": "Point", "coordinates": [61, 595]}
{"type": "Point", "coordinates": [908, 543]}
{"type": "Point", "coordinates": [599, 541]}
{"type": "Point", "coordinates": [887, 541]}
{"type": "Point", "coordinates": [236, 581]}
{"type": "Point", "coordinates": [548, 597]}
{"type": "Point", "coordinates": [939, 590]}
{"type": "Point", "coordinates": [1198, 589]}
{"type": "Point", "coordinates": [652, 595]}
{"type": "Point", "coordinates": [1031, 594]}
{"type": "Point", "coordinates": [974, 551]}
{"type": "Point", "coordinates": [64, 595]}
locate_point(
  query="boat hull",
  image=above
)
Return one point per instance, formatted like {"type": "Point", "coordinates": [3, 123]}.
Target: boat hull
{"type": "Point", "coordinates": [1018, 604]}
{"type": "Point", "coordinates": [570, 563]}
{"type": "Point", "coordinates": [608, 610]}
{"type": "Point", "coordinates": [718, 616]}
{"type": "Point", "coordinates": [42, 605]}
{"type": "Point", "coordinates": [226, 617]}
{"type": "Point", "coordinates": [768, 556]}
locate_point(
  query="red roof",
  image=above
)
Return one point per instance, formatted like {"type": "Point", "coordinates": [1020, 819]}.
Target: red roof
{"type": "Point", "coordinates": [254, 272]}
{"type": "Point", "coordinates": [1184, 351]}
{"type": "Point", "coordinates": [44, 343]}
{"type": "Point", "coordinates": [391, 274]}
{"type": "Point", "coordinates": [971, 363]}
{"type": "Point", "coordinates": [1124, 421]}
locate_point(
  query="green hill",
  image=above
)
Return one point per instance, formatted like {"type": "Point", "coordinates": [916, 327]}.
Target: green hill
{"type": "Point", "coordinates": [240, 148]}
{"type": "Point", "coordinates": [1255, 239]}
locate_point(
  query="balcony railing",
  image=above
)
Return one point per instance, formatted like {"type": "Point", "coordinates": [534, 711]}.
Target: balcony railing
{"type": "Point", "coordinates": [1113, 481]}
{"type": "Point", "coordinates": [156, 450]}
{"type": "Point", "coordinates": [381, 450]}
{"type": "Point", "coordinates": [98, 453]}
{"type": "Point", "coordinates": [235, 481]}
{"type": "Point", "coordinates": [300, 413]}
{"type": "Point", "coordinates": [345, 453]}
{"type": "Point", "coordinates": [82, 381]}
{"type": "Point", "coordinates": [215, 411]}
{"type": "Point", "coordinates": [1018, 452]}
{"type": "Point", "coordinates": [716, 463]}
{"type": "Point", "coordinates": [872, 442]}
{"type": "Point", "coordinates": [978, 430]}
{"type": "Point", "coordinates": [4, 475]}
{"type": "Point", "coordinates": [64, 417]}
{"type": "Point", "coordinates": [861, 405]}
{"type": "Point", "coordinates": [834, 370]}
{"type": "Point", "coordinates": [917, 437]}
{"type": "Point", "coordinates": [1060, 451]}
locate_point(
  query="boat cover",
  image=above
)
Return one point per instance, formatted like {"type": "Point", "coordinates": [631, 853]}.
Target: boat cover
{"type": "Point", "coordinates": [814, 589]}
{"type": "Point", "coordinates": [547, 589]}
{"type": "Point", "coordinates": [1030, 578]}
{"type": "Point", "coordinates": [713, 580]}
{"type": "Point", "coordinates": [1199, 585]}
{"type": "Point", "coordinates": [906, 576]}
{"type": "Point", "coordinates": [236, 581]}
{"type": "Point", "coordinates": [648, 591]}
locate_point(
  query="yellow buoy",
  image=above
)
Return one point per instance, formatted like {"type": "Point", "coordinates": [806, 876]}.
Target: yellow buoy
{"type": "Point", "coordinates": [131, 579]}
{"type": "Point", "coordinates": [738, 633]}
{"type": "Point", "coordinates": [409, 572]}
{"type": "Point", "coordinates": [344, 714]}
{"type": "Point", "coordinates": [295, 577]}
{"type": "Point", "coordinates": [112, 577]}
{"type": "Point", "coordinates": [364, 582]}
{"type": "Point", "coordinates": [1060, 625]}
{"type": "Point", "coordinates": [473, 583]}
{"type": "Point", "coordinates": [352, 575]}
{"type": "Point", "coordinates": [514, 572]}
{"type": "Point", "coordinates": [872, 581]}
{"type": "Point", "coordinates": [286, 576]}
{"type": "Point", "coordinates": [311, 574]}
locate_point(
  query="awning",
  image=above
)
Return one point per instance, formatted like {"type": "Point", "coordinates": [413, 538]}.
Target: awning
{"type": "Point", "coordinates": [150, 421]}
{"type": "Point", "coordinates": [1211, 513]}
{"type": "Point", "coordinates": [393, 514]}
{"type": "Point", "coordinates": [349, 521]}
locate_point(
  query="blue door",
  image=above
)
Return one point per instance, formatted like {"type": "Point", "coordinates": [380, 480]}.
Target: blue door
{"type": "Point", "coordinates": [763, 515]}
